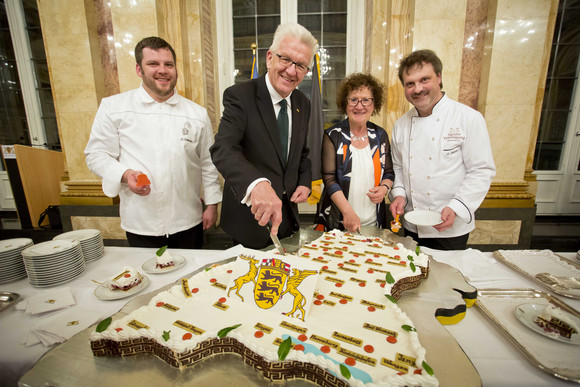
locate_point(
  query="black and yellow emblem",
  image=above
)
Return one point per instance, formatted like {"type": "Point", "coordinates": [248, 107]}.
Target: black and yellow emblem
{"type": "Point", "coordinates": [270, 282]}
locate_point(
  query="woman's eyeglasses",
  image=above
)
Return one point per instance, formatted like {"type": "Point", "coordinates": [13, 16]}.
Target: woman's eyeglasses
{"type": "Point", "coordinates": [354, 101]}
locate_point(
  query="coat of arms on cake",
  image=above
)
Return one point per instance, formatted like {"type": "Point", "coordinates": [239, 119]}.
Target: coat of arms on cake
{"type": "Point", "coordinates": [327, 314]}
{"type": "Point", "coordinates": [284, 284]}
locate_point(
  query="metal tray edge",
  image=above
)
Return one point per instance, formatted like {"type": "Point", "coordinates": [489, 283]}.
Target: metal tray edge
{"type": "Point", "coordinates": [503, 260]}
{"type": "Point", "coordinates": [527, 293]}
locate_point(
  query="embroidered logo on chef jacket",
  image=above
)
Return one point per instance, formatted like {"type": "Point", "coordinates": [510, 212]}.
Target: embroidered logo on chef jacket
{"type": "Point", "coordinates": [453, 139]}
{"type": "Point", "coordinates": [185, 132]}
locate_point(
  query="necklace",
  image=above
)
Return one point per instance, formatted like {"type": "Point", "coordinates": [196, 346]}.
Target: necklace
{"type": "Point", "coordinates": [355, 138]}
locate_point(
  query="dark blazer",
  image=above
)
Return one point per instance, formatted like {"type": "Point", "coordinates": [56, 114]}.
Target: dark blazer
{"type": "Point", "coordinates": [247, 147]}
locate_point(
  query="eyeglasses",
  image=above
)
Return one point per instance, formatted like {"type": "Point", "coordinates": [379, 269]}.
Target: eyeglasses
{"type": "Point", "coordinates": [354, 101]}
{"type": "Point", "coordinates": [287, 62]}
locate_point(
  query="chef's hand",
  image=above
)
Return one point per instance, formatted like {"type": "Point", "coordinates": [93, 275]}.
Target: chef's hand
{"type": "Point", "coordinates": [351, 221]}
{"type": "Point", "coordinates": [300, 195]}
{"type": "Point", "coordinates": [209, 216]}
{"type": "Point", "coordinates": [266, 206]}
{"type": "Point", "coordinates": [397, 206]}
{"type": "Point", "coordinates": [377, 194]}
{"type": "Point", "coordinates": [130, 178]}
{"type": "Point", "coordinates": [448, 218]}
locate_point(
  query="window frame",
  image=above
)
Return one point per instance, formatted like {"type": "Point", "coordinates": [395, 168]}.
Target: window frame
{"type": "Point", "coordinates": [28, 83]}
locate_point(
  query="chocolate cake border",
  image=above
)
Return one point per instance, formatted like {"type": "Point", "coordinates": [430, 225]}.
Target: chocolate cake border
{"type": "Point", "coordinates": [274, 371]}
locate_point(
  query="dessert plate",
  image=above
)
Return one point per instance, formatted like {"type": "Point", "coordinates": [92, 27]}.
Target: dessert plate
{"type": "Point", "coordinates": [527, 313]}
{"type": "Point", "coordinates": [149, 265]}
{"type": "Point", "coordinates": [103, 292]}
{"type": "Point", "coordinates": [423, 217]}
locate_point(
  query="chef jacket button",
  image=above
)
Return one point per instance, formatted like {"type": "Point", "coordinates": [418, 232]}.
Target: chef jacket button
{"type": "Point", "coordinates": [430, 158]}
{"type": "Point", "coordinates": [433, 139]}
{"type": "Point", "coordinates": [428, 177]}
{"type": "Point", "coordinates": [411, 157]}
{"type": "Point", "coordinates": [428, 193]}
{"type": "Point", "coordinates": [411, 138]}
{"type": "Point", "coordinates": [437, 119]}
{"type": "Point", "coordinates": [410, 174]}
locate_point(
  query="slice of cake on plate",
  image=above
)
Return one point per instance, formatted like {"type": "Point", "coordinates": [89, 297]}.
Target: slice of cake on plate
{"type": "Point", "coordinates": [127, 279]}
{"type": "Point", "coordinates": [163, 258]}
{"type": "Point", "coordinates": [555, 321]}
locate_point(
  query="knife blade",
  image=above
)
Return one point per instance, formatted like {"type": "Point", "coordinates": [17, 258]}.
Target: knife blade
{"type": "Point", "coordinates": [275, 240]}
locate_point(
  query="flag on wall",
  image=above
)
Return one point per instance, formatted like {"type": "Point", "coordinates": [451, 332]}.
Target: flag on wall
{"type": "Point", "coordinates": [254, 62]}
{"type": "Point", "coordinates": [316, 128]}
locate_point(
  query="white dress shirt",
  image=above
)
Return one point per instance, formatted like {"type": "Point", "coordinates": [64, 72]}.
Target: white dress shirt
{"type": "Point", "coordinates": [167, 141]}
{"type": "Point", "coordinates": [442, 160]}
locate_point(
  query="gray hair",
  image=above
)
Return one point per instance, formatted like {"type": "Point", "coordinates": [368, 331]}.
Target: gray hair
{"type": "Point", "coordinates": [298, 32]}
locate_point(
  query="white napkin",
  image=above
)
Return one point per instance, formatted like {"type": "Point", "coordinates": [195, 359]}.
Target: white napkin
{"type": "Point", "coordinates": [472, 264]}
{"type": "Point", "coordinates": [47, 301]}
{"type": "Point", "coordinates": [61, 327]}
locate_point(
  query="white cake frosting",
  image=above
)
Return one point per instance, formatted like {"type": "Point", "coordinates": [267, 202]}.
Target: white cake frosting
{"type": "Point", "coordinates": [166, 259]}
{"type": "Point", "coordinates": [346, 322]}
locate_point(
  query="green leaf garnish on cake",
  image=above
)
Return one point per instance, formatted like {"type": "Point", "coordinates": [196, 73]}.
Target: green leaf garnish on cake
{"type": "Point", "coordinates": [427, 368]}
{"type": "Point", "coordinates": [391, 298]}
{"type": "Point", "coordinates": [412, 266]}
{"type": "Point", "coordinates": [223, 332]}
{"type": "Point", "coordinates": [161, 251]}
{"type": "Point", "coordinates": [389, 278]}
{"type": "Point", "coordinates": [417, 250]}
{"type": "Point", "coordinates": [344, 371]}
{"type": "Point", "coordinates": [408, 328]}
{"type": "Point", "coordinates": [284, 348]}
{"type": "Point", "coordinates": [104, 324]}
{"type": "Point", "coordinates": [410, 258]}
{"type": "Point", "coordinates": [165, 335]}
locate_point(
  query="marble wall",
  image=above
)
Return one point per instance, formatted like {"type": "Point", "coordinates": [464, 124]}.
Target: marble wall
{"type": "Point", "coordinates": [494, 53]}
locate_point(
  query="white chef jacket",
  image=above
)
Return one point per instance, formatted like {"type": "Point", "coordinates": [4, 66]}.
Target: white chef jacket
{"type": "Point", "coordinates": [443, 160]}
{"type": "Point", "coordinates": [167, 141]}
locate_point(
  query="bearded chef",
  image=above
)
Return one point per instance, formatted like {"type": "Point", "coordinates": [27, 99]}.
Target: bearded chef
{"type": "Point", "coordinates": [442, 157]}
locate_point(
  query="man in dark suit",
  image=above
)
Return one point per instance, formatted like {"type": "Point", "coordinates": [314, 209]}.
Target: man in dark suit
{"type": "Point", "coordinates": [264, 179]}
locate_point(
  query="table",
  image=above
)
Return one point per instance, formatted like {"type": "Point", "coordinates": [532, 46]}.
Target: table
{"type": "Point", "coordinates": [496, 360]}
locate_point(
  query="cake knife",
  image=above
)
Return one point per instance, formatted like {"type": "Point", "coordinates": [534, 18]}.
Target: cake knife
{"type": "Point", "coordinates": [275, 239]}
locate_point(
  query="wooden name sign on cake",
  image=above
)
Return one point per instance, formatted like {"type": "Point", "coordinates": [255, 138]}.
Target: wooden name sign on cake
{"type": "Point", "coordinates": [328, 314]}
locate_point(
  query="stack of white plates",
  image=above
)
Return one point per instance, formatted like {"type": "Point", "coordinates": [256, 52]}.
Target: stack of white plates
{"type": "Point", "coordinates": [578, 255]}
{"type": "Point", "coordinates": [91, 242]}
{"type": "Point", "coordinates": [53, 262]}
{"type": "Point", "coordinates": [11, 262]}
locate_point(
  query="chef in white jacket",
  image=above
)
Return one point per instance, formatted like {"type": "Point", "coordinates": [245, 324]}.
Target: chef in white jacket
{"type": "Point", "coordinates": [442, 157]}
{"type": "Point", "coordinates": [152, 130]}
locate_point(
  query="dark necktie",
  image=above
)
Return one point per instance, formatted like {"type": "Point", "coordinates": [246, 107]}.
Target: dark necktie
{"type": "Point", "coordinates": [283, 128]}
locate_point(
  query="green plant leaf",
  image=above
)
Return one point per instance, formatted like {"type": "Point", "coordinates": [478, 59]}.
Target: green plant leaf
{"type": "Point", "coordinates": [284, 348]}
{"type": "Point", "coordinates": [410, 258]}
{"type": "Point", "coordinates": [408, 328]}
{"type": "Point", "coordinates": [165, 335]}
{"type": "Point", "coordinates": [412, 266]}
{"type": "Point", "coordinates": [104, 324]}
{"type": "Point", "coordinates": [417, 250]}
{"type": "Point", "coordinates": [223, 332]}
{"type": "Point", "coordinates": [344, 371]}
{"type": "Point", "coordinates": [427, 368]}
{"type": "Point", "coordinates": [389, 278]}
{"type": "Point", "coordinates": [391, 298]}
{"type": "Point", "coordinates": [161, 251]}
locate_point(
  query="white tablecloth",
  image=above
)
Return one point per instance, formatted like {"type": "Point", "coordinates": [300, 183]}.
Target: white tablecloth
{"type": "Point", "coordinates": [498, 362]}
